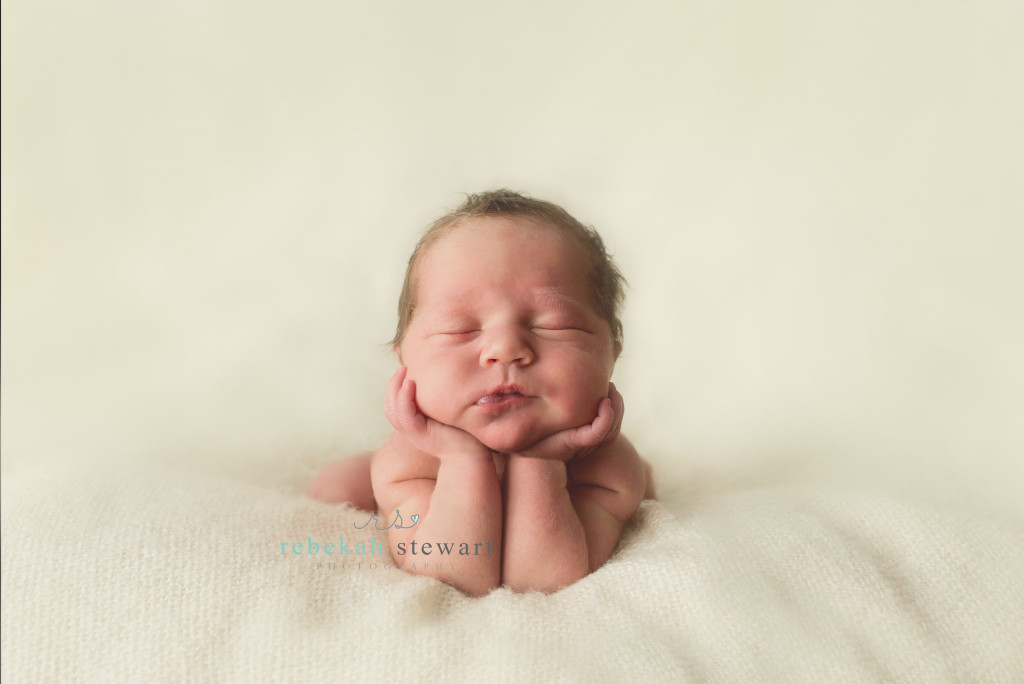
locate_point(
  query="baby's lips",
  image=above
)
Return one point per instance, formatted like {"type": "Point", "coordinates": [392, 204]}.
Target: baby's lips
{"type": "Point", "coordinates": [503, 398]}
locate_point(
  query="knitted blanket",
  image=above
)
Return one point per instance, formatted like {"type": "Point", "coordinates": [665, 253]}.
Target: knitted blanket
{"type": "Point", "coordinates": [163, 574]}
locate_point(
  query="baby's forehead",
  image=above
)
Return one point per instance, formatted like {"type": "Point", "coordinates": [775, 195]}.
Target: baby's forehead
{"type": "Point", "coordinates": [492, 229]}
{"type": "Point", "coordinates": [453, 302]}
{"type": "Point", "coordinates": [564, 277]}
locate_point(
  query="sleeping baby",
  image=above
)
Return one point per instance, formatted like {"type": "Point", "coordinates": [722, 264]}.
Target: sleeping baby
{"type": "Point", "coordinates": [506, 438]}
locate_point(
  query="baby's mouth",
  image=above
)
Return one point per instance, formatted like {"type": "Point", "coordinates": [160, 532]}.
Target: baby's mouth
{"type": "Point", "coordinates": [503, 396]}
{"type": "Point", "coordinates": [500, 398]}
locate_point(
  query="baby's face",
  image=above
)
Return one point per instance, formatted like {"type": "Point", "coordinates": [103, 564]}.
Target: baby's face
{"type": "Point", "coordinates": [505, 342]}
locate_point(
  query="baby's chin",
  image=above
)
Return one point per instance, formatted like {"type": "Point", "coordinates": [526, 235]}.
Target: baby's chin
{"type": "Point", "coordinates": [517, 432]}
{"type": "Point", "coordinates": [510, 441]}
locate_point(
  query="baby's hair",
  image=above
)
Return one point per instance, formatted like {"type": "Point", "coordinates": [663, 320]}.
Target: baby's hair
{"type": "Point", "coordinates": [608, 283]}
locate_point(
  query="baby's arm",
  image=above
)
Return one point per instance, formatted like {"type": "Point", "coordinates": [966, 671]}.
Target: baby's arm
{"type": "Point", "coordinates": [606, 487]}
{"type": "Point", "coordinates": [345, 481]}
{"type": "Point", "coordinates": [563, 520]}
{"type": "Point", "coordinates": [461, 503]}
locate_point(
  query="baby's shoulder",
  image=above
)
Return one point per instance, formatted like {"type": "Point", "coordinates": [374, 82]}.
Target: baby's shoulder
{"type": "Point", "coordinates": [620, 449]}
{"type": "Point", "coordinates": [616, 459]}
{"type": "Point", "coordinates": [398, 460]}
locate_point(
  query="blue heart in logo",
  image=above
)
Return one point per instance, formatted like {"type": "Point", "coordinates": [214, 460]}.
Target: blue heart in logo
{"type": "Point", "coordinates": [415, 518]}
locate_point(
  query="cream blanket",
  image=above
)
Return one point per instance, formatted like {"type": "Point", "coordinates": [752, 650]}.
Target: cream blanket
{"type": "Point", "coordinates": [207, 212]}
{"type": "Point", "coordinates": [160, 574]}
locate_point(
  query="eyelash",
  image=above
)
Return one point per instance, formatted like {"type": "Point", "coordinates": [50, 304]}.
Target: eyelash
{"type": "Point", "coordinates": [535, 328]}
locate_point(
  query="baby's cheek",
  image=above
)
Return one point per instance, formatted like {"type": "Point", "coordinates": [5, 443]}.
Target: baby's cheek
{"type": "Point", "coordinates": [580, 407]}
{"type": "Point", "coordinates": [431, 398]}
{"type": "Point", "coordinates": [589, 386]}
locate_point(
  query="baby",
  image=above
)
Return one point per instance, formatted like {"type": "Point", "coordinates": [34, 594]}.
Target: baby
{"type": "Point", "coordinates": [506, 436]}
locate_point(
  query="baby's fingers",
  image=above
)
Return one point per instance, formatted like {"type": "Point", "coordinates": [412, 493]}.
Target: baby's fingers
{"type": "Point", "coordinates": [591, 435]}
{"type": "Point", "coordinates": [618, 408]}
{"type": "Point", "coordinates": [400, 409]}
{"type": "Point", "coordinates": [391, 398]}
{"type": "Point", "coordinates": [606, 417]}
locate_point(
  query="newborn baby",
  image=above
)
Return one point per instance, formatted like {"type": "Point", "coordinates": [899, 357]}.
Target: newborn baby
{"type": "Point", "coordinates": [506, 440]}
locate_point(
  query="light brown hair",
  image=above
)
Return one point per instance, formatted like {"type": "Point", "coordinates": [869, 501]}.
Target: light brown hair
{"type": "Point", "coordinates": [608, 285]}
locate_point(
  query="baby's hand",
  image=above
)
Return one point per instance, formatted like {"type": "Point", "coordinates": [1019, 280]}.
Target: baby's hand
{"type": "Point", "coordinates": [425, 433]}
{"type": "Point", "coordinates": [577, 442]}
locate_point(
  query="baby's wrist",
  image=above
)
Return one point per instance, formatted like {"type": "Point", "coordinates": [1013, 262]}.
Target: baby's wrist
{"type": "Point", "coordinates": [544, 453]}
{"type": "Point", "coordinates": [467, 453]}
{"type": "Point", "coordinates": [588, 451]}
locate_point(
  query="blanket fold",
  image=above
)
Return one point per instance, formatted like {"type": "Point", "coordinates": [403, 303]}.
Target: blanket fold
{"type": "Point", "coordinates": [167, 575]}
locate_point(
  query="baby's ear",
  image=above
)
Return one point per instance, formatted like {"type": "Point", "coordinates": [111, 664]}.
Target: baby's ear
{"type": "Point", "coordinates": [616, 350]}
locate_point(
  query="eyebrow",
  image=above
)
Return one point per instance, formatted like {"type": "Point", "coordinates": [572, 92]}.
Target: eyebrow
{"type": "Point", "coordinates": [448, 314]}
{"type": "Point", "coordinates": [546, 296]}
{"type": "Point", "coordinates": [558, 297]}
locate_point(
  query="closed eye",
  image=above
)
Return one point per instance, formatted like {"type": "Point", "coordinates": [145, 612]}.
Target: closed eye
{"type": "Point", "coordinates": [457, 334]}
{"type": "Point", "coordinates": [558, 329]}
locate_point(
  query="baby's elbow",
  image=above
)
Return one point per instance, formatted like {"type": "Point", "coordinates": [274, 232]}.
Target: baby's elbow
{"type": "Point", "coordinates": [564, 576]}
{"type": "Point", "coordinates": [550, 576]}
{"type": "Point", "coordinates": [622, 501]}
{"type": "Point", "coordinates": [474, 583]}
{"type": "Point", "coordinates": [477, 589]}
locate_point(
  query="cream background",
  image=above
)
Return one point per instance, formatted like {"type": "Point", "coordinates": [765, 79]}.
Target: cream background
{"type": "Point", "coordinates": [207, 207]}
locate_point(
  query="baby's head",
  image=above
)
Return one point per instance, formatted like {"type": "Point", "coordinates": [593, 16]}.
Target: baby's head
{"type": "Point", "coordinates": [509, 319]}
{"type": "Point", "coordinates": [607, 283]}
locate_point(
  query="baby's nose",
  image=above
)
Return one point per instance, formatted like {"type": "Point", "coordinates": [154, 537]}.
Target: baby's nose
{"type": "Point", "coordinates": [505, 346]}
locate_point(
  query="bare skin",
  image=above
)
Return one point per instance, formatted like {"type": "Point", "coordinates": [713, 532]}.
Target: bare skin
{"type": "Point", "coordinates": [553, 512]}
{"type": "Point", "coordinates": [506, 422]}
